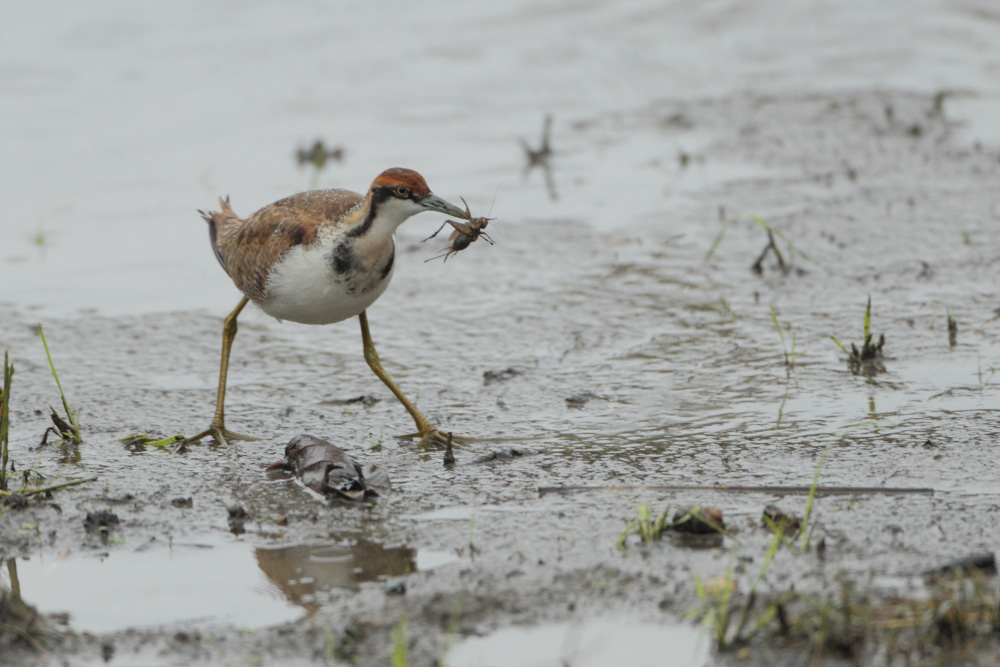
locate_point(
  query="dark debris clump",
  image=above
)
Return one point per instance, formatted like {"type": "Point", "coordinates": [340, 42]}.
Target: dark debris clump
{"type": "Point", "coordinates": [102, 520]}
{"type": "Point", "coordinates": [489, 377]}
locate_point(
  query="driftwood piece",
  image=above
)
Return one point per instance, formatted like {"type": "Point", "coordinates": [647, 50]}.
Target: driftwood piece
{"type": "Point", "coordinates": [983, 563]}
{"type": "Point", "coordinates": [778, 490]}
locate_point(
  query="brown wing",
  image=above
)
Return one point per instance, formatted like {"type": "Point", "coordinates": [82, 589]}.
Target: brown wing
{"type": "Point", "coordinates": [249, 249]}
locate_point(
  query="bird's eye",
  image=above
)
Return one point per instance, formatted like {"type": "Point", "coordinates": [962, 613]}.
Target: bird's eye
{"type": "Point", "coordinates": [403, 191]}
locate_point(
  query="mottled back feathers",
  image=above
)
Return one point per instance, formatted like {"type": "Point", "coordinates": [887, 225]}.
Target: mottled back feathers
{"type": "Point", "coordinates": [249, 249]}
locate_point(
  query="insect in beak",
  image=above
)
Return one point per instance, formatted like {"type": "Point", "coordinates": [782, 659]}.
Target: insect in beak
{"type": "Point", "coordinates": [435, 203]}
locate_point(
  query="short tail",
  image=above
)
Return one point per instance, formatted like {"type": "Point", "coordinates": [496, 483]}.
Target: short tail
{"type": "Point", "coordinates": [217, 223]}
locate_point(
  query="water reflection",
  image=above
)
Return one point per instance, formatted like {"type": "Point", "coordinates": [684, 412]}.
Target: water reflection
{"type": "Point", "coordinates": [228, 582]}
{"type": "Point", "coordinates": [620, 641]}
{"type": "Point", "coordinates": [303, 570]}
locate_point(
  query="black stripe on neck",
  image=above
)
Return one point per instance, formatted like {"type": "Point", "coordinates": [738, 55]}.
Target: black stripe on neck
{"type": "Point", "coordinates": [388, 265]}
{"type": "Point", "coordinates": [379, 195]}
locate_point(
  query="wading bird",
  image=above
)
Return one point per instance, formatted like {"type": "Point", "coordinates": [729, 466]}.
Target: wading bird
{"type": "Point", "coordinates": [319, 257]}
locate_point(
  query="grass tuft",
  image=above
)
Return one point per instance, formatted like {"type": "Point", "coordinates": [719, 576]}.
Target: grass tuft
{"type": "Point", "coordinates": [644, 525]}
{"type": "Point", "coordinates": [452, 632]}
{"type": "Point", "coordinates": [401, 643]}
{"type": "Point", "coordinates": [8, 376]}
{"type": "Point", "coordinates": [695, 520]}
{"type": "Point", "coordinates": [869, 357]}
{"type": "Point", "coordinates": [69, 432]}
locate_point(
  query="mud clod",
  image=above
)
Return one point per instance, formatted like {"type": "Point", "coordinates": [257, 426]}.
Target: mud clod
{"type": "Point", "coordinates": [107, 651]}
{"type": "Point", "coordinates": [501, 455]}
{"type": "Point", "coordinates": [581, 399]}
{"type": "Point", "coordinates": [14, 501]}
{"type": "Point", "coordinates": [367, 400]}
{"type": "Point", "coordinates": [489, 377]}
{"type": "Point", "coordinates": [699, 520]}
{"type": "Point", "coordinates": [237, 520]}
{"type": "Point", "coordinates": [778, 517]}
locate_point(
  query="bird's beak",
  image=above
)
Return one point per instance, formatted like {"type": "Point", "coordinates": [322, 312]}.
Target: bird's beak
{"type": "Point", "coordinates": [434, 203]}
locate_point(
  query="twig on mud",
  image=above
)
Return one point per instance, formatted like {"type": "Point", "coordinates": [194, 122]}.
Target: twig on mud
{"type": "Point", "coordinates": [787, 490]}
{"type": "Point", "coordinates": [449, 454]}
{"type": "Point", "coordinates": [772, 231]}
{"type": "Point", "coordinates": [50, 487]}
{"type": "Point", "coordinates": [771, 245]}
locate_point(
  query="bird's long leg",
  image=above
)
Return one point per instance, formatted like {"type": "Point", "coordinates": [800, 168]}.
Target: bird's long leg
{"type": "Point", "coordinates": [425, 431]}
{"type": "Point", "coordinates": [217, 428]}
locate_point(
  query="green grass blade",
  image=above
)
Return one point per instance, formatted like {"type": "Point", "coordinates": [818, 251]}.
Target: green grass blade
{"type": "Point", "coordinates": [401, 643]}
{"type": "Point", "coordinates": [452, 632]}
{"type": "Point", "coordinates": [762, 222]}
{"type": "Point", "coordinates": [8, 376]}
{"type": "Point", "coordinates": [69, 412]}
{"type": "Point", "coordinates": [718, 240]}
{"type": "Point", "coordinates": [777, 327]}
{"type": "Point", "coordinates": [812, 497]}
{"type": "Point", "coordinates": [868, 319]}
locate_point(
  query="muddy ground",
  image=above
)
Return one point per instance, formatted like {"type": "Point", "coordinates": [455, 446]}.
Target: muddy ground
{"type": "Point", "coordinates": [628, 354]}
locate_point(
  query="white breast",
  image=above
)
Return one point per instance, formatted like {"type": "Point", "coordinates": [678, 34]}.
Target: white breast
{"type": "Point", "coordinates": [307, 287]}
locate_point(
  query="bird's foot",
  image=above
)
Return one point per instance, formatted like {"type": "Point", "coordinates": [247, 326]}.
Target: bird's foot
{"type": "Point", "coordinates": [429, 436]}
{"type": "Point", "coordinates": [219, 433]}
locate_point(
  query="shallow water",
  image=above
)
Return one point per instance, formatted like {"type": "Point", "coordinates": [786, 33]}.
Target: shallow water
{"type": "Point", "coordinates": [600, 641]}
{"type": "Point", "coordinates": [673, 123]}
{"type": "Point", "coordinates": [207, 585]}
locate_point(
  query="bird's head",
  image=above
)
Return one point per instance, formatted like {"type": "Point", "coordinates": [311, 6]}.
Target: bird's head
{"type": "Point", "coordinates": [398, 194]}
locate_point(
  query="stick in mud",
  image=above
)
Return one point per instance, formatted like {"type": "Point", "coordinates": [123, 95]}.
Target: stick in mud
{"type": "Point", "coordinates": [449, 455]}
{"type": "Point", "coordinates": [786, 490]}
{"type": "Point", "coordinates": [758, 266]}
{"type": "Point", "coordinates": [50, 487]}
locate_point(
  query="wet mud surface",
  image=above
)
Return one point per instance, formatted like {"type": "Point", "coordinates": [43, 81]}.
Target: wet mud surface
{"type": "Point", "coordinates": [618, 339]}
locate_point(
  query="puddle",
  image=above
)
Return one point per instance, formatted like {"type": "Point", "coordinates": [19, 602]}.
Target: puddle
{"type": "Point", "coordinates": [594, 642]}
{"type": "Point", "coordinates": [228, 583]}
